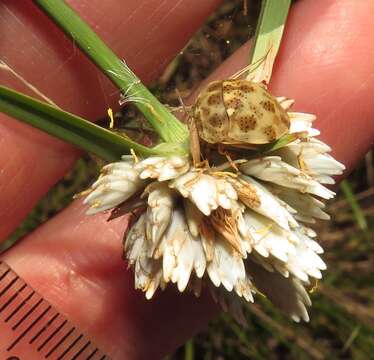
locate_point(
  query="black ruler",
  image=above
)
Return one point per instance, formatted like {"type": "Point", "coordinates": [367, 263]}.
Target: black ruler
{"type": "Point", "coordinates": [31, 328]}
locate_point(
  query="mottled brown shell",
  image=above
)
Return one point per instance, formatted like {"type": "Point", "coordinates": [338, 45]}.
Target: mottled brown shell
{"type": "Point", "coordinates": [239, 112]}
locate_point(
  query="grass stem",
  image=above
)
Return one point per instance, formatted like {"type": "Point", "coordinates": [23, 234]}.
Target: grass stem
{"type": "Point", "coordinates": [359, 216]}
{"type": "Point", "coordinates": [166, 124]}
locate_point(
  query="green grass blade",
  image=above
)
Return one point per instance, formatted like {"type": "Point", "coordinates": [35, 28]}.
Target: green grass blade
{"type": "Point", "coordinates": [189, 350]}
{"type": "Point", "coordinates": [166, 124]}
{"type": "Point", "coordinates": [351, 199]}
{"type": "Point", "coordinates": [68, 127]}
{"type": "Point", "coordinates": [269, 33]}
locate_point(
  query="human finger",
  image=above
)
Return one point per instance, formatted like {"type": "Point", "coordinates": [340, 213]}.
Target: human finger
{"type": "Point", "coordinates": [147, 33]}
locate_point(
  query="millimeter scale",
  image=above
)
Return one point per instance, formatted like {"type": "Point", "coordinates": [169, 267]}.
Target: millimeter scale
{"type": "Point", "coordinates": [32, 329]}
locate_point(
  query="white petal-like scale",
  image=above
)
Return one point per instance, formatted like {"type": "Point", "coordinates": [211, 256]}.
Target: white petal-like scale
{"type": "Point", "coordinates": [148, 275]}
{"type": "Point", "coordinates": [302, 261]}
{"type": "Point", "coordinates": [308, 208]}
{"type": "Point", "coordinates": [301, 122]}
{"type": "Point", "coordinates": [104, 200]}
{"type": "Point", "coordinates": [270, 206]}
{"type": "Point", "coordinates": [287, 293]}
{"type": "Point", "coordinates": [244, 288]}
{"type": "Point", "coordinates": [226, 267]}
{"type": "Point", "coordinates": [147, 271]}
{"type": "Point", "coordinates": [182, 253]}
{"type": "Point", "coordinates": [269, 238]}
{"type": "Point", "coordinates": [200, 189]}
{"type": "Point", "coordinates": [193, 217]}
{"type": "Point", "coordinates": [123, 165]}
{"type": "Point", "coordinates": [305, 262]}
{"type": "Point", "coordinates": [247, 240]}
{"type": "Point", "coordinates": [118, 182]}
{"type": "Point", "coordinates": [313, 245]}
{"type": "Point", "coordinates": [162, 168]}
{"type": "Point", "coordinates": [285, 102]}
{"type": "Point", "coordinates": [205, 191]}
{"type": "Point", "coordinates": [134, 240]}
{"type": "Point", "coordinates": [160, 203]}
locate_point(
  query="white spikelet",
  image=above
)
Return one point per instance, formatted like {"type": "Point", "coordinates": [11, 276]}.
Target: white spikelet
{"type": "Point", "coordinates": [148, 271]}
{"type": "Point", "coordinates": [270, 206]}
{"type": "Point", "coordinates": [160, 204]}
{"type": "Point", "coordinates": [286, 293]}
{"type": "Point", "coordinates": [205, 191]}
{"type": "Point", "coordinates": [182, 253]}
{"type": "Point", "coordinates": [226, 267]}
{"type": "Point", "coordinates": [273, 169]}
{"type": "Point", "coordinates": [307, 207]}
{"type": "Point", "coordinates": [270, 238]}
{"type": "Point", "coordinates": [311, 156]}
{"type": "Point", "coordinates": [117, 183]}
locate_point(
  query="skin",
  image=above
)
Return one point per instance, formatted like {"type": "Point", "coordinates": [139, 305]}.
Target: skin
{"type": "Point", "coordinates": [74, 260]}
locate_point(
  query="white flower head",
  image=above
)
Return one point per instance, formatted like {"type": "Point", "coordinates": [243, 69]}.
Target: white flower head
{"type": "Point", "coordinates": [235, 228]}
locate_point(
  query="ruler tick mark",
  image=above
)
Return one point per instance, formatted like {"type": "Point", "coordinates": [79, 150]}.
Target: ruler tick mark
{"type": "Point", "coordinates": [44, 328]}
{"type": "Point", "coordinates": [41, 328]}
{"type": "Point", "coordinates": [12, 298]}
{"type": "Point", "coordinates": [52, 335]}
{"type": "Point", "coordinates": [15, 311]}
{"type": "Point", "coordinates": [15, 342]}
{"type": "Point", "coordinates": [8, 286]}
{"type": "Point", "coordinates": [80, 351]}
{"type": "Point", "coordinates": [59, 343]}
{"type": "Point", "coordinates": [70, 347]}
{"type": "Point", "coordinates": [27, 314]}
{"type": "Point", "coordinates": [4, 274]}
{"type": "Point", "coordinates": [92, 354]}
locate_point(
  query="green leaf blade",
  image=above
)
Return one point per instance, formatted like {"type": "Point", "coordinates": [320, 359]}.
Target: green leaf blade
{"type": "Point", "coordinates": [68, 127]}
{"type": "Point", "coordinates": [268, 36]}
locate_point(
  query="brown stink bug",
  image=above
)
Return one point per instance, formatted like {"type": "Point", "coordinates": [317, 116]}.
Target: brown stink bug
{"type": "Point", "coordinates": [239, 113]}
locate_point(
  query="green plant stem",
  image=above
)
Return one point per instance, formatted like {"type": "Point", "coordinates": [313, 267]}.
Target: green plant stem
{"type": "Point", "coordinates": [351, 199]}
{"type": "Point", "coordinates": [73, 129]}
{"type": "Point", "coordinates": [167, 125]}
{"type": "Point", "coordinates": [269, 32]}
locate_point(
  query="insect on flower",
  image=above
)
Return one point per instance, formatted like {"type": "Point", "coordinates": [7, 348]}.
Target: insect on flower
{"type": "Point", "coordinates": [236, 113]}
{"type": "Point", "coordinates": [239, 112]}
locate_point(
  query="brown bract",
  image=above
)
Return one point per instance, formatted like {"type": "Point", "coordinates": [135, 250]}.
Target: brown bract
{"type": "Point", "coordinates": [224, 223]}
